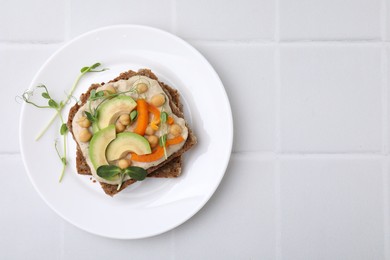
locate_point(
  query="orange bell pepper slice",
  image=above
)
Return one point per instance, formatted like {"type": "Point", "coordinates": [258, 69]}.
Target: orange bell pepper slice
{"type": "Point", "coordinates": [157, 153]}
{"type": "Point", "coordinates": [154, 156]}
{"type": "Point", "coordinates": [176, 140]}
{"type": "Point", "coordinates": [143, 117]}
{"type": "Point", "coordinates": [156, 113]}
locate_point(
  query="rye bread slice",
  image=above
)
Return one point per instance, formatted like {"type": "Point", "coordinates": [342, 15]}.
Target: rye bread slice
{"type": "Point", "coordinates": [169, 168]}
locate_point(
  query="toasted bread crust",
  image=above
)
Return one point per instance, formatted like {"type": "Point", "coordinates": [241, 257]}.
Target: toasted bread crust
{"type": "Point", "coordinates": [169, 168]}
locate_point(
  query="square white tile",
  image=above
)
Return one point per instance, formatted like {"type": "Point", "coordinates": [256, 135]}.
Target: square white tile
{"type": "Point", "coordinates": [239, 220]}
{"type": "Point", "coordinates": [33, 21]}
{"type": "Point", "coordinates": [28, 228]}
{"type": "Point", "coordinates": [330, 20]}
{"type": "Point", "coordinates": [331, 99]}
{"type": "Point", "coordinates": [18, 65]}
{"type": "Point", "coordinates": [248, 74]}
{"type": "Point", "coordinates": [225, 20]}
{"type": "Point", "coordinates": [332, 209]}
{"type": "Point", "coordinates": [88, 14]}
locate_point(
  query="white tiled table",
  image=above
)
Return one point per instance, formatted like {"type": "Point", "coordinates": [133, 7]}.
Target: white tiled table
{"type": "Point", "coordinates": [308, 82]}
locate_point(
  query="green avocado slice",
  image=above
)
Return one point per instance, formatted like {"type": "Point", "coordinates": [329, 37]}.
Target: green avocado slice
{"type": "Point", "coordinates": [109, 111]}
{"type": "Point", "coordinates": [127, 142]}
{"type": "Point", "coordinates": [98, 145]}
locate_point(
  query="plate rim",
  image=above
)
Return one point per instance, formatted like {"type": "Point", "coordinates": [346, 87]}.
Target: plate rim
{"type": "Point", "coordinates": [229, 123]}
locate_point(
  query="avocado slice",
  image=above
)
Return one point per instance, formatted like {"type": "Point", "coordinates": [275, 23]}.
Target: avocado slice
{"type": "Point", "coordinates": [98, 145]}
{"type": "Point", "coordinates": [127, 142]}
{"type": "Point", "coordinates": [109, 111]}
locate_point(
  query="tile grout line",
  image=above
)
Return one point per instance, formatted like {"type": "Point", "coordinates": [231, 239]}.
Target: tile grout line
{"type": "Point", "coordinates": [385, 170]}
{"type": "Point", "coordinates": [274, 156]}
{"type": "Point", "coordinates": [3, 154]}
{"type": "Point", "coordinates": [278, 212]}
{"type": "Point", "coordinates": [27, 42]}
{"type": "Point", "coordinates": [335, 41]}
{"type": "Point", "coordinates": [278, 207]}
{"type": "Point", "coordinates": [276, 42]}
{"type": "Point", "coordinates": [278, 91]}
{"type": "Point", "coordinates": [383, 19]}
{"type": "Point", "coordinates": [384, 92]}
{"type": "Point", "coordinates": [385, 128]}
{"type": "Point", "coordinates": [277, 79]}
{"type": "Point", "coordinates": [384, 69]}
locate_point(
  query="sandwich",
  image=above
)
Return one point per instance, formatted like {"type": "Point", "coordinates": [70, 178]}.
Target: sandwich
{"type": "Point", "coordinates": [129, 128]}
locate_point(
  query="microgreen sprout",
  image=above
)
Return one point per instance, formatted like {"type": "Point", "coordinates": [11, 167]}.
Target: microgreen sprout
{"type": "Point", "coordinates": [51, 103]}
{"type": "Point", "coordinates": [133, 115]}
{"type": "Point", "coordinates": [83, 71]}
{"type": "Point", "coordinates": [110, 172]}
{"type": "Point", "coordinates": [164, 130]}
{"type": "Point", "coordinates": [58, 107]}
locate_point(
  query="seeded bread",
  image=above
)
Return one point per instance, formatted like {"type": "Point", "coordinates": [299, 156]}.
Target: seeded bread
{"type": "Point", "coordinates": [170, 168]}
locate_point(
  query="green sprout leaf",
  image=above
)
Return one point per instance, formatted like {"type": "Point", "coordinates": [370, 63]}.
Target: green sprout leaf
{"type": "Point", "coordinates": [164, 117]}
{"type": "Point", "coordinates": [108, 172]}
{"type": "Point", "coordinates": [96, 95]}
{"type": "Point", "coordinates": [84, 69]}
{"type": "Point", "coordinates": [90, 117]}
{"type": "Point", "coordinates": [45, 95]}
{"type": "Point", "coordinates": [94, 66]}
{"type": "Point", "coordinates": [63, 129]}
{"type": "Point", "coordinates": [136, 173]}
{"type": "Point", "coordinates": [100, 94]}
{"type": "Point", "coordinates": [53, 104]}
{"type": "Point", "coordinates": [91, 68]}
{"type": "Point", "coordinates": [93, 94]}
{"type": "Point", "coordinates": [133, 115]}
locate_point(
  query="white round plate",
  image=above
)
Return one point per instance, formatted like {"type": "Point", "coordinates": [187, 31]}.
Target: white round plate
{"type": "Point", "coordinates": [155, 205]}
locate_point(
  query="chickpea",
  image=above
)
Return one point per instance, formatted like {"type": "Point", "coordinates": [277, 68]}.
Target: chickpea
{"type": "Point", "coordinates": [84, 122]}
{"type": "Point", "coordinates": [153, 140]}
{"type": "Point", "coordinates": [119, 127]}
{"type": "Point", "coordinates": [149, 130]}
{"type": "Point", "coordinates": [124, 119]}
{"type": "Point", "coordinates": [142, 88]}
{"type": "Point", "coordinates": [123, 163]}
{"type": "Point", "coordinates": [109, 90]}
{"type": "Point", "coordinates": [158, 100]}
{"type": "Point", "coordinates": [85, 135]}
{"type": "Point", "coordinates": [175, 130]}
